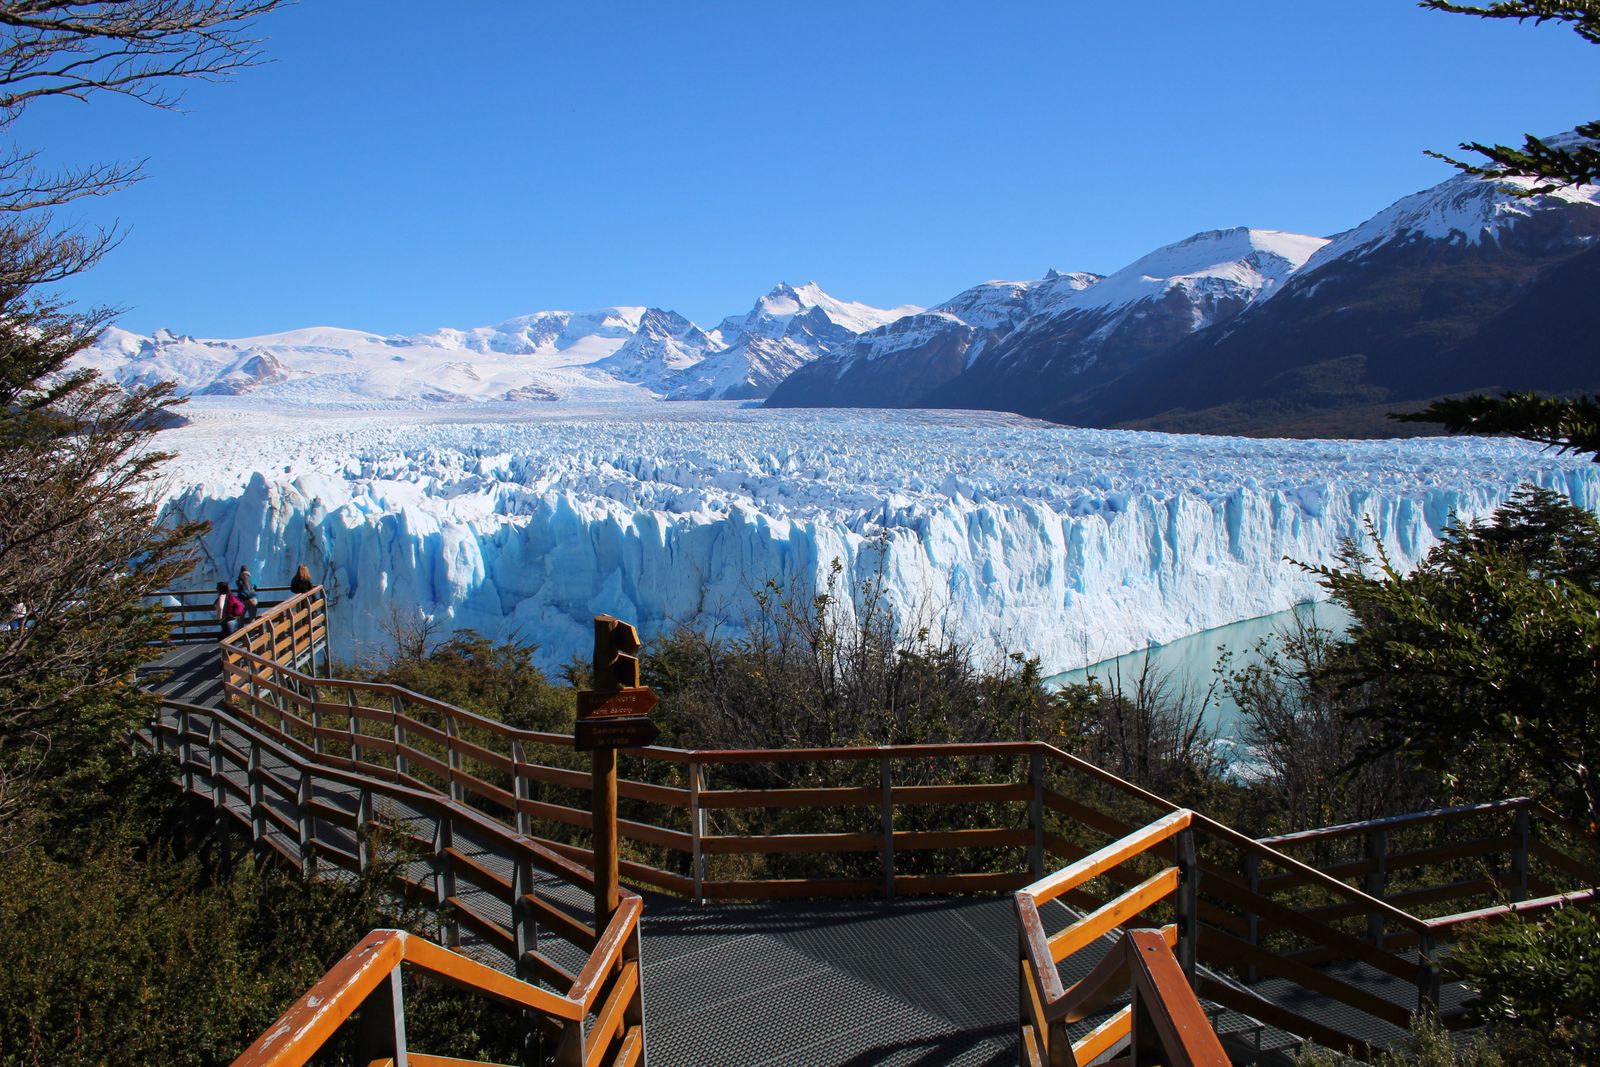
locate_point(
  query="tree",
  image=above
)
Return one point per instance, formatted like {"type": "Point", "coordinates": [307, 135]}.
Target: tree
{"type": "Point", "coordinates": [1551, 165]}
{"type": "Point", "coordinates": [1570, 425]}
{"type": "Point", "coordinates": [1484, 663]}
{"type": "Point", "coordinates": [80, 545]}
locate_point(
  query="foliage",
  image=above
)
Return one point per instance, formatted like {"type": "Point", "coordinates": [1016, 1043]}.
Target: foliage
{"type": "Point", "coordinates": [1567, 425]}
{"type": "Point", "coordinates": [825, 670]}
{"type": "Point", "coordinates": [1484, 663]}
{"type": "Point", "coordinates": [497, 679]}
{"type": "Point", "coordinates": [130, 951]}
{"type": "Point", "coordinates": [1156, 735]}
{"type": "Point", "coordinates": [1554, 166]}
{"type": "Point", "coordinates": [79, 545]}
{"type": "Point", "coordinates": [1304, 742]}
{"type": "Point", "coordinates": [1431, 1046]}
{"type": "Point", "coordinates": [1541, 979]}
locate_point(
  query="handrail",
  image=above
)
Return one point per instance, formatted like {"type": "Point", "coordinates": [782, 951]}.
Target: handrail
{"type": "Point", "coordinates": [367, 979]}
{"type": "Point", "coordinates": [422, 743]}
{"type": "Point", "coordinates": [1393, 822]}
{"type": "Point", "coordinates": [610, 974]}
{"type": "Point", "coordinates": [1163, 1016]}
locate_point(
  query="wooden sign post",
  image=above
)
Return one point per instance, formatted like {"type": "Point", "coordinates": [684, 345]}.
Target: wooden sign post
{"type": "Point", "coordinates": [611, 716]}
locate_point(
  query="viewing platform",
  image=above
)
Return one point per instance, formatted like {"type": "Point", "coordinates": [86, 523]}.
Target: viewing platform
{"type": "Point", "coordinates": [751, 937]}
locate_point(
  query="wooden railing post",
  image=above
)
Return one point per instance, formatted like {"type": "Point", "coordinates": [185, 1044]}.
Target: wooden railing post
{"type": "Point", "coordinates": [219, 797]}
{"type": "Point", "coordinates": [186, 750]}
{"type": "Point", "coordinates": [444, 878]}
{"type": "Point", "coordinates": [520, 783]}
{"type": "Point", "coordinates": [1375, 881]}
{"type": "Point", "coordinates": [316, 723]}
{"type": "Point", "coordinates": [363, 830]}
{"type": "Point", "coordinates": [697, 831]}
{"type": "Point", "coordinates": [886, 784]}
{"type": "Point", "coordinates": [452, 732]}
{"type": "Point", "coordinates": [1252, 921]}
{"type": "Point", "coordinates": [258, 795]}
{"type": "Point", "coordinates": [1187, 903]}
{"type": "Point", "coordinates": [303, 795]}
{"type": "Point", "coordinates": [1428, 973]}
{"type": "Point", "coordinates": [354, 725]}
{"type": "Point", "coordinates": [569, 1047]}
{"type": "Point", "coordinates": [1036, 814]}
{"type": "Point", "coordinates": [381, 1024]}
{"type": "Point", "coordinates": [402, 765]}
{"type": "Point", "coordinates": [633, 1012]}
{"type": "Point", "coordinates": [525, 951]}
{"type": "Point", "coordinates": [1522, 830]}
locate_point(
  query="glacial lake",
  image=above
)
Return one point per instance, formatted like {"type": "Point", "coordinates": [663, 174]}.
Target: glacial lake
{"type": "Point", "coordinates": [1192, 661]}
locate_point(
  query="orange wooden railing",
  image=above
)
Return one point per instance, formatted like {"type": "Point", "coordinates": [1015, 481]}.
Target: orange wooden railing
{"type": "Point", "coordinates": [696, 826]}
{"type": "Point", "coordinates": [368, 979]}
{"type": "Point", "coordinates": [1048, 1008]}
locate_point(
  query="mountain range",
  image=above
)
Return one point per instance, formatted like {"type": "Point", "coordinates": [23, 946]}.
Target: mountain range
{"type": "Point", "coordinates": [1472, 285]}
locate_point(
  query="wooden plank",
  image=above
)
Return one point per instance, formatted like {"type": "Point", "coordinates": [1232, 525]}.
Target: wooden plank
{"type": "Point", "coordinates": [1085, 815]}
{"type": "Point", "coordinates": [571, 930]}
{"type": "Point", "coordinates": [1098, 1042]}
{"type": "Point", "coordinates": [1276, 916]}
{"type": "Point", "coordinates": [1445, 853]}
{"type": "Point", "coordinates": [948, 884]}
{"type": "Point", "coordinates": [482, 876]}
{"type": "Point", "coordinates": [791, 888]}
{"type": "Point", "coordinates": [1392, 822]}
{"type": "Point", "coordinates": [1181, 1026]}
{"type": "Point", "coordinates": [1112, 855]}
{"type": "Point", "coordinates": [836, 796]}
{"type": "Point", "coordinates": [1563, 862]}
{"type": "Point", "coordinates": [916, 840]}
{"type": "Point", "coordinates": [1234, 952]}
{"type": "Point", "coordinates": [1114, 914]}
{"type": "Point", "coordinates": [485, 927]}
{"type": "Point", "coordinates": [486, 756]}
{"type": "Point", "coordinates": [460, 970]}
{"type": "Point", "coordinates": [610, 1019]}
{"type": "Point", "coordinates": [718, 844]}
{"type": "Point", "coordinates": [312, 1019]}
{"type": "Point", "coordinates": [962, 794]}
{"type": "Point", "coordinates": [631, 1051]}
{"type": "Point", "coordinates": [1248, 1003]}
{"type": "Point", "coordinates": [607, 952]}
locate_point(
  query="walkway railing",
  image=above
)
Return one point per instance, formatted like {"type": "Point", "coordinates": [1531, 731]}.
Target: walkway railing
{"type": "Point", "coordinates": [1142, 964]}
{"type": "Point", "coordinates": [943, 819]}
{"type": "Point", "coordinates": [367, 979]}
{"type": "Point", "coordinates": [192, 613]}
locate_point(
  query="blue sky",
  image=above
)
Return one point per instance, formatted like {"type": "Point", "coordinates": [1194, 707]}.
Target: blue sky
{"type": "Point", "coordinates": [398, 171]}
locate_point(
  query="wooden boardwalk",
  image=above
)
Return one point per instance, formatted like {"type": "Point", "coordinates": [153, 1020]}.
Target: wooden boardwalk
{"type": "Point", "coordinates": [304, 763]}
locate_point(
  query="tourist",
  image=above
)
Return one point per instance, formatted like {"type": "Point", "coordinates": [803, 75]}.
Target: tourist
{"type": "Point", "coordinates": [246, 591]}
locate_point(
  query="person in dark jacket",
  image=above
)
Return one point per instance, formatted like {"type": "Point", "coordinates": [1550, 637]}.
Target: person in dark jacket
{"type": "Point", "coordinates": [245, 590]}
{"type": "Point", "coordinates": [301, 582]}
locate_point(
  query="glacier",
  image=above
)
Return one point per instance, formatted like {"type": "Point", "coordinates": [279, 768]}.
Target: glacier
{"type": "Point", "coordinates": [1003, 532]}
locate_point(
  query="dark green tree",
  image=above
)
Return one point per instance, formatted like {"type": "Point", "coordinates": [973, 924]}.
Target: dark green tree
{"type": "Point", "coordinates": [1568, 425]}
{"type": "Point", "coordinates": [1483, 664]}
{"type": "Point", "coordinates": [80, 547]}
{"type": "Point", "coordinates": [1550, 165]}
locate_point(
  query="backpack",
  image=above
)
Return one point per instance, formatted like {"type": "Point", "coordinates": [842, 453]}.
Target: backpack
{"type": "Point", "coordinates": [234, 609]}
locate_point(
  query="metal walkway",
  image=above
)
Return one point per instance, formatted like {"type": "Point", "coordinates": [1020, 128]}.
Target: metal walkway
{"type": "Point", "coordinates": [851, 983]}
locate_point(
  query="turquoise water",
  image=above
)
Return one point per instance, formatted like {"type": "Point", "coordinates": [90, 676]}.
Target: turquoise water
{"type": "Point", "coordinates": [1192, 661]}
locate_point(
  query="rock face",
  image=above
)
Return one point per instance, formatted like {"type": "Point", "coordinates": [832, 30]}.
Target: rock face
{"type": "Point", "coordinates": [1030, 346]}
{"type": "Point", "coordinates": [1461, 288]}
{"type": "Point", "coordinates": [1464, 287]}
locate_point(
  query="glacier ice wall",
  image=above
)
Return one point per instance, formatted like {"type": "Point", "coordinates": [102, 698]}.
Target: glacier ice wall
{"type": "Point", "coordinates": [1073, 545]}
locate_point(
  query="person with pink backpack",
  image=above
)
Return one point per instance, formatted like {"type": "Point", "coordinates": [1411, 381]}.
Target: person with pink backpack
{"type": "Point", "coordinates": [230, 610]}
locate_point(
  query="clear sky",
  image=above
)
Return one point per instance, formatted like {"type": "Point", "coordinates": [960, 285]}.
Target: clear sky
{"type": "Point", "coordinates": [401, 166]}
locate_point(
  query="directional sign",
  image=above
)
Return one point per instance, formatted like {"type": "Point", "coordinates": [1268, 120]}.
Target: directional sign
{"type": "Point", "coordinates": [629, 703]}
{"type": "Point", "coordinates": [590, 734]}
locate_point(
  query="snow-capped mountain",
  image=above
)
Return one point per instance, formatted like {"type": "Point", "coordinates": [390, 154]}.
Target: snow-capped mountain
{"type": "Point", "coordinates": [897, 364]}
{"type": "Point", "coordinates": [618, 353]}
{"type": "Point", "coordinates": [1053, 338]}
{"type": "Point", "coordinates": [787, 329]}
{"type": "Point", "coordinates": [1465, 287]}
